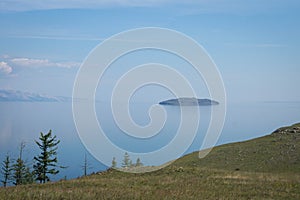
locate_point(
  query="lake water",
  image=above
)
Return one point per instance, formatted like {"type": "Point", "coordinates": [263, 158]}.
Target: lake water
{"type": "Point", "coordinates": [21, 121]}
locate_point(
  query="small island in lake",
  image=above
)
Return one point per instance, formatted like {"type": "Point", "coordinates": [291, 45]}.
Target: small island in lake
{"type": "Point", "coordinates": [186, 101]}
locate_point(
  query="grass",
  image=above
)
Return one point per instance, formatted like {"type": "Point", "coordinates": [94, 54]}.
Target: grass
{"type": "Point", "coordinates": [278, 152]}
{"type": "Point", "coordinates": [262, 168]}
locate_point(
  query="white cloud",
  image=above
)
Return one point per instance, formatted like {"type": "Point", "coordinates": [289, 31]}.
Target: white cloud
{"type": "Point", "coordinates": [188, 6]}
{"type": "Point", "coordinates": [256, 45]}
{"type": "Point", "coordinates": [21, 5]}
{"type": "Point", "coordinates": [45, 37]}
{"type": "Point", "coordinates": [5, 68]}
{"type": "Point", "coordinates": [36, 63]}
{"type": "Point", "coordinates": [4, 56]}
{"type": "Point", "coordinates": [268, 45]}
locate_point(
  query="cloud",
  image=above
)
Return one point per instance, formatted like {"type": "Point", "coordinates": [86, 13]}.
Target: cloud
{"type": "Point", "coordinates": [36, 63]}
{"type": "Point", "coordinates": [21, 5]}
{"type": "Point", "coordinates": [268, 45]}
{"type": "Point", "coordinates": [10, 66]}
{"type": "Point", "coordinates": [5, 68]}
{"type": "Point", "coordinates": [203, 5]}
{"type": "Point", "coordinates": [45, 37]}
{"type": "Point", "coordinates": [256, 45]}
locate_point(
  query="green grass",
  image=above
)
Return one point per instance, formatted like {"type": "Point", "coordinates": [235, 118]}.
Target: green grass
{"type": "Point", "coordinates": [278, 152]}
{"type": "Point", "coordinates": [262, 168]}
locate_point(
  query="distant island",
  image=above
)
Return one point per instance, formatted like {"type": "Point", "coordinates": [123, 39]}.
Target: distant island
{"type": "Point", "coordinates": [187, 101]}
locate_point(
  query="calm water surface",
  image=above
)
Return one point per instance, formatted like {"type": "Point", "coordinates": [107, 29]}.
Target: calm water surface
{"type": "Point", "coordinates": [23, 122]}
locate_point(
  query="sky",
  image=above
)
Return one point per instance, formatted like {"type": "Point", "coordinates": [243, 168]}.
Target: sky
{"type": "Point", "coordinates": [254, 43]}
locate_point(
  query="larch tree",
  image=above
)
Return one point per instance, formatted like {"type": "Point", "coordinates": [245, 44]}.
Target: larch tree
{"type": "Point", "coordinates": [6, 171]}
{"type": "Point", "coordinates": [19, 167]}
{"type": "Point", "coordinates": [114, 163]}
{"type": "Point", "coordinates": [85, 166]}
{"type": "Point", "coordinates": [126, 161]}
{"type": "Point", "coordinates": [138, 162]}
{"type": "Point", "coordinates": [46, 162]}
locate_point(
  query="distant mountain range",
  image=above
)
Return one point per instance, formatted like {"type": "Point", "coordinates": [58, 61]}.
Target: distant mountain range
{"type": "Point", "coordinates": [19, 96]}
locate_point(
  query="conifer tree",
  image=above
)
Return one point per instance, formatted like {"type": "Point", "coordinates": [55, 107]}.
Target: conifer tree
{"type": "Point", "coordinates": [114, 163]}
{"type": "Point", "coordinates": [6, 170]}
{"type": "Point", "coordinates": [19, 168]}
{"type": "Point", "coordinates": [19, 172]}
{"type": "Point", "coordinates": [126, 161]}
{"type": "Point", "coordinates": [138, 162]}
{"type": "Point", "coordinates": [46, 162]}
{"type": "Point", "coordinates": [85, 166]}
{"type": "Point", "coordinates": [29, 176]}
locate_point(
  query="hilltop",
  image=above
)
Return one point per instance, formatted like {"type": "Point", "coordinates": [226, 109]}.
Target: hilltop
{"type": "Point", "coordinates": [263, 168]}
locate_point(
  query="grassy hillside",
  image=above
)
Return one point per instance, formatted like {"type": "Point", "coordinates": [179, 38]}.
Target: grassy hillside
{"type": "Point", "coordinates": [262, 168]}
{"type": "Point", "coordinates": [277, 152]}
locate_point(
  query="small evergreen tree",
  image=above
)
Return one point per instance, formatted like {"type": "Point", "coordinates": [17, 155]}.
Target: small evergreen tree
{"type": "Point", "coordinates": [46, 162]}
{"type": "Point", "coordinates": [19, 172]}
{"type": "Point", "coordinates": [138, 162]}
{"type": "Point", "coordinates": [126, 161]}
{"type": "Point", "coordinates": [38, 172]}
{"type": "Point", "coordinates": [85, 166]}
{"type": "Point", "coordinates": [114, 163]}
{"type": "Point", "coordinates": [19, 167]}
{"type": "Point", "coordinates": [29, 176]}
{"type": "Point", "coordinates": [6, 170]}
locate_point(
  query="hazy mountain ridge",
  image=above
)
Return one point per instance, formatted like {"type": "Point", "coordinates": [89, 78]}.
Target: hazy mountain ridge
{"type": "Point", "coordinates": [20, 96]}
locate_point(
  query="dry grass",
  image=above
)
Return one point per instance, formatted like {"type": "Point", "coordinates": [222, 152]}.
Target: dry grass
{"type": "Point", "coordinates": [194, 183]}
{"type": "Point", "coordinates": [264, 168]}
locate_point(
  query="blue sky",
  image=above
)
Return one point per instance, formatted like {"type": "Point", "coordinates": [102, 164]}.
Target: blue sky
{"type": "Point", "coordinates": [255, 44]}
